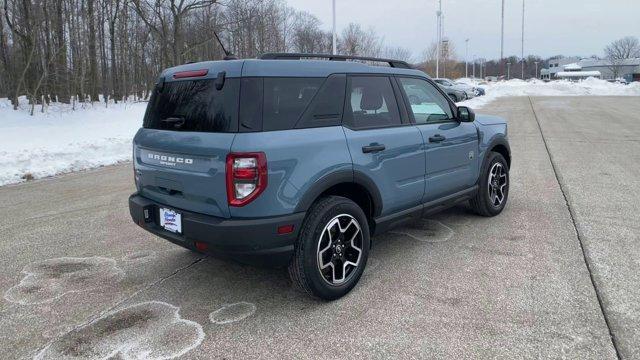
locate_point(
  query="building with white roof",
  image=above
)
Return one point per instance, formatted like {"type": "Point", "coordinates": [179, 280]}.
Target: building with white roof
{"type": "Point", "coordinates": [555, 66]}
{"type": "Point", "coordinates": [628, 69]}
{"type": "Point", "coordinates": [572, 68]}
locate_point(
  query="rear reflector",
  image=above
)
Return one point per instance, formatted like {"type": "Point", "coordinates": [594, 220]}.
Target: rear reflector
{"type": "Point", "coordinates": [285, 229]}
{"type": "Point", "coordinates": [201, 246]}
{"type": "Point", "coordinates": [191, 73]}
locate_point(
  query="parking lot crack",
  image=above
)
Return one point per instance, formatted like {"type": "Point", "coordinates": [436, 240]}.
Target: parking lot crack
{"type": "Point", "coordinates": [587, 262]}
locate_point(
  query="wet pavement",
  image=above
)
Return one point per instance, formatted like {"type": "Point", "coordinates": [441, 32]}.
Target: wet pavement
{"type": "Point", "coordinates": [80, 280]}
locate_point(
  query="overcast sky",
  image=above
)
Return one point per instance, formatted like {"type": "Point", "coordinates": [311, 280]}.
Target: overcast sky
{"type": "Point", "coordinates": [552, 27]}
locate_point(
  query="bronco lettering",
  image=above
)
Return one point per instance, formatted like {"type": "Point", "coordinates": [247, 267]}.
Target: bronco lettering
{"type": "Point", "coordinates": [170, 160]}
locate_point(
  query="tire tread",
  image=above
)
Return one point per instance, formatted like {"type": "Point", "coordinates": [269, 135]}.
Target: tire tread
{"type": "Point", "coordinates": [296, 267]}
{"type": "Point", "coordinates": [479, 202]}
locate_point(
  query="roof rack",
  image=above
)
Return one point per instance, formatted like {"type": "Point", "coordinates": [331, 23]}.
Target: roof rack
{"type": "Point", "coordinates": [332, 57]}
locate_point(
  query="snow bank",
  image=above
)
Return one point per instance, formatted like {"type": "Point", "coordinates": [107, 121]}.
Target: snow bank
{"type": "Point", "coordinates": [516, 87]}
{"type": "Point", "coordinates": [63, 140]}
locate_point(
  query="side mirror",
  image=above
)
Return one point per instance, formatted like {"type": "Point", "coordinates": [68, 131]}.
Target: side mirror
{"type": "Point", "coordinates": [466, 114]}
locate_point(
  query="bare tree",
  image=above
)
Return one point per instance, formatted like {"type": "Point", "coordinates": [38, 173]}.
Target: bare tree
{"type": "Point", "coordinates": [398, 53]}
{"type": "Point", "coordinates": [448, 63]}
{"type": "Point", "coordinates": [73, 50]}
{"type": "Point", "coordinates": [6, 56]}
{"type": "Point", "coordinates": [356, 41]}
{"type": "Point", "coordinates": [618, 51]}
{"type": "Point", "coordinates": [308, 37]}
{"type": "Point", "coordinates": [167, 17]}
{"type": "Point", "coordinates": [93, 61]}
{"type": "Point", "coordinates": [112, 10]}
{"type": "Point", "coordinates": [21, 20]}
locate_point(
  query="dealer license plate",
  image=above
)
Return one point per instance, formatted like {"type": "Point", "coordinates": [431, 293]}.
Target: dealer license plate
{"type": "Point", "coordinates": [171, 220]}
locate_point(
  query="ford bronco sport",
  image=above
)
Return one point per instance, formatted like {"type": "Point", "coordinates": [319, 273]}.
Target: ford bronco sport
{"type": "Point", "coordinates": [291, 161]}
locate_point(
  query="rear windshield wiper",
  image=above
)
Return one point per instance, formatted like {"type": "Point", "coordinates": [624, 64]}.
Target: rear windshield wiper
{"type": "Point", "coordinates": [176, 121]}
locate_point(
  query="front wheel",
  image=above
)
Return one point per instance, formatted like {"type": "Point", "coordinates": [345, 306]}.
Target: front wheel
{"type": "Point", "coordinates": [332, 248]}
{"type": "Point", "coordinates": [493, 189]}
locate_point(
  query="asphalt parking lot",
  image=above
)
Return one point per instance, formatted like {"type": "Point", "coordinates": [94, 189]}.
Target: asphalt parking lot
{"type": "Point", "coordinates": [555, 275]}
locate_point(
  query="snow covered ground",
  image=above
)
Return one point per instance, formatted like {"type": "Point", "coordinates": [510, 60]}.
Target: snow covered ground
{"type": "Point", "coordinates": [63, 140]}
{"type": "Point", "coordinates": [516, 87]}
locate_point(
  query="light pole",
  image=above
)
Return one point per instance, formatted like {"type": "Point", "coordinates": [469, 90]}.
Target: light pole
{"type": "Point", "coordinates": [445, 56]}
{"type": "Point", "coordinates": [473, 67]}
{"type": "Point", "coordinates": [333, 43]}
{"type": "Point", "coordinates": [438, 37]}
{"type": "Point", "coordinates": [508, 70]}
{"type": "Point", "coordinates": [535, 62]}
{"type": "Point", "coordinates": [466, 58]}
{"type": "Point", "coordinates": [502, 33]}
{"type": "Point", "coordinates": [522, 41]}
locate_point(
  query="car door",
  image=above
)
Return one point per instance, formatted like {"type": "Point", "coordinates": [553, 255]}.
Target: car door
{"type": "Point", "coordinates": [383, 147]}
{"type": "Point", "coordinates": [451, 146]}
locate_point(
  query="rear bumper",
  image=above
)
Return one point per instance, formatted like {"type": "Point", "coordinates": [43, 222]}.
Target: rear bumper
{"type": "Point", "coordinates": [254, 241]}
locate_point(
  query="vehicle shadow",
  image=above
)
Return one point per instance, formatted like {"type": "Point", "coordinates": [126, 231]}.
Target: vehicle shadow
{"type": "Point", "coordinates": [216, 282]}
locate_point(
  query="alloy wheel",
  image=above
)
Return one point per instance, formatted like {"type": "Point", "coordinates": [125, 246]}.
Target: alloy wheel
{"type": "Point", "coordinates": [497, 184]}
{"type": "Point", "coordinates": [340, 249]}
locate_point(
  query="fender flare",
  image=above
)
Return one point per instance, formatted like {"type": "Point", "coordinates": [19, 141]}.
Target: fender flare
{"type": "Point", "coordinates": [497, 140]}
{"type": "Point", "coordinates": [340, 177]}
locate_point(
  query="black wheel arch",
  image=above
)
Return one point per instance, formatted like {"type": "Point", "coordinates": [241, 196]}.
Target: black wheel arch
{"type": "Point", "coordinates": [351, 184]}
{"type": "Point", "coordinates": [501, 146]}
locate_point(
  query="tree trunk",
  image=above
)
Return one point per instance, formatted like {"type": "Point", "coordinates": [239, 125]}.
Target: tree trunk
{"type": "Point", "coordinates": [177, 40]}
{"type": "Point", "coordinates": [6, 60]}
{"type": "Point", "coordinates": [115, 85]}
{"type": "Point", "coordinates": [93, 66]}
{"type": "Point", "coordinates": [62, 83]}
{"type": "Point", "coordinates": [103, 56]}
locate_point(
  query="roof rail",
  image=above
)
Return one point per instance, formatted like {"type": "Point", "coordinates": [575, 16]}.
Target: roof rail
{"type": "Point", "coordinates": [332, 57]}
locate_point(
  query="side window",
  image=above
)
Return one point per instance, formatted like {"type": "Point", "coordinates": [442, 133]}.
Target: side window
{"type": "Point", "coordinates": [371, 103]}
{"type": "Point", "coordinates": [251, 104]}
{"type": "Point", "coordinates": [285, 99]}
{"type": "Point", "coordinates": [326, 107]}
{"type": "Point", "coordinates": [427, 103]}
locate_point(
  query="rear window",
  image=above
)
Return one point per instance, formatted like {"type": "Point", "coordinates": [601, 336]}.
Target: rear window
{"type": "Point", "coordinates": [194, 105]}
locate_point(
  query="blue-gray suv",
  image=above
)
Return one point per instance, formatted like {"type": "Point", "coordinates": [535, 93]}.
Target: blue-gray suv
{"type": "Point", "coordinates": [299, 159]}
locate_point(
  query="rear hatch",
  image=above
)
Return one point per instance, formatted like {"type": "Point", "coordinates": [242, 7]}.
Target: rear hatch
{"type": "Point", "coordinates": [188, 129]}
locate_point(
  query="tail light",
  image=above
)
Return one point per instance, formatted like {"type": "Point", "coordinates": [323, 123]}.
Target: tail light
{"type": "Point", "coordinates": [246, 177]}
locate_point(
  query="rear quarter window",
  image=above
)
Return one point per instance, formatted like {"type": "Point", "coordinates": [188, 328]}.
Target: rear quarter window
{"type": "Point", "coordinates": [285, 99]}
{"type": "Point", "coordinates": [194, 105]}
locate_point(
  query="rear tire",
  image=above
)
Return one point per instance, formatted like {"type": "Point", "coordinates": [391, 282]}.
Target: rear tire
{"type": "Point", "coordinates": [334, 233]}
{"type": "Point", "coordinates": [493, 189]}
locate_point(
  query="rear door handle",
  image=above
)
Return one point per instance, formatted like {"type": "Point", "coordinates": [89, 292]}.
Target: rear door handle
{"type": "Point", "coordinates": [372, 148]}
{"type": "Point", "coordinates": [436, 138]}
